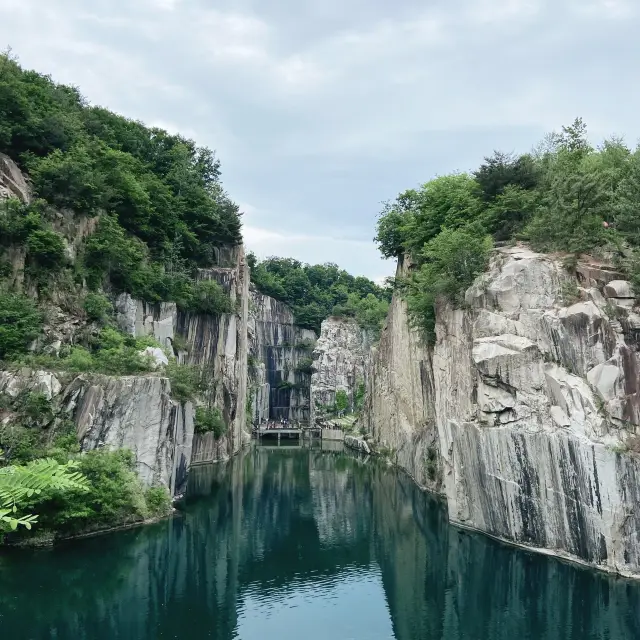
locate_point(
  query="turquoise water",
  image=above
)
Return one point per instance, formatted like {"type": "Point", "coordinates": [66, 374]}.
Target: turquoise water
{"type": "Point", "coordinates": [306, 545]}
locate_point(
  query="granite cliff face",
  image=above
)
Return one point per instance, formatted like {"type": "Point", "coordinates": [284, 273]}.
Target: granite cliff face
{"type": "Point", "coordinates": [132, 412]}
{"type": "Point", "coordinates": [216, 344]}
{"type": "Point", "coordinates": [524, 413]}
{"type": "Point", "coordinates": [279, 362]}
{"type": "Point", "coordinates": [340, 362]}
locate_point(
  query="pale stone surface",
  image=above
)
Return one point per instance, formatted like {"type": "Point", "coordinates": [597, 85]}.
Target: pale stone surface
{"type": "Point", "coordinates": [12, 181]}
{"type": "Point", "coordinates": [531, 402]}
{"type": "Point", "coordinates": [135, 413]}
{"type": "Point", "coordinates": [142, 319]}
{"type": "Point", "coordinates": [399, 410]}
{"type": "Point", "coordinates": [14, 383]}
{"type": "Point", "coordinates": [340, 361]}
{"type": "Point", "coordinates": [215, 343]}
{"type": "Point", "coordinates": [618, 289]}
{"type": "Point", "coordinates": [356, 443]}
{"type": "Point", "coordinates": [157, 355]}
{"type": "Point", "coordinates": [278, 348]}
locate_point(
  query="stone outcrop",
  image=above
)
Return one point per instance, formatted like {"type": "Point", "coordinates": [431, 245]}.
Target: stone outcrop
{"type": "Point", "coordinates": [399, 408]}
{"type": "Point", "coordinates": [279, 362]}
{"type": "Point", "coordinates": [525, 408]}
{"type": "Point", "coordinates": [132, 412]}
{"type": "Point", "coordinates": [216, 344]}
{"type": "Point", "coordinates": [340, 362]}
{"type": "Point", "coordinates": [12, 182]}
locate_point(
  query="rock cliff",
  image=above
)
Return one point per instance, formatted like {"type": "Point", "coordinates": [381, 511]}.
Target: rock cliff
{"type": "Point", "coordinates": [524, 412]}
{"type": "Point", "coordinates": [279, 362]}
{"type": "Point", "coordinates": [132, 412]}
{"type": "Point", "coordinates": [340, 360]}
{"type": "Point", "coordinates": [216, 344]}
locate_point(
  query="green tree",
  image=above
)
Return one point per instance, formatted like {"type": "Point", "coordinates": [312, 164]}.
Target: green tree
{"type": "Point", "coordinates": [20, 324]}
{"type": "Point", "coordinates": [18, 484]}
{"type": "Point", "coordinates": [342, 401]}
{"type": "Point", "coordinates": [451, 262]}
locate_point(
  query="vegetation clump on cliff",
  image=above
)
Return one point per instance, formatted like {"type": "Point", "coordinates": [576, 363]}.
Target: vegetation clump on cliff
{"type": "Point", "coordinates": [315, 292]}
{"type": "Point", "coordinates": [113, 207]}
{"type": "Point", "coordinates": [154, 201]}
{"type": "Point", "coordinates": [564, 196]}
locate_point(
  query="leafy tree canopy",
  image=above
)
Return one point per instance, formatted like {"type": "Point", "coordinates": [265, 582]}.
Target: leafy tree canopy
{"type": "Point", "coordinates": [566, 195]}
{"type": "Point", "coordinates": [159, 196]}
{"type": "Point", "coordinates": [315, 292]}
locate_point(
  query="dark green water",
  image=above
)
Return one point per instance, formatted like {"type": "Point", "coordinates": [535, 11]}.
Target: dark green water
{"type": "Point", "coordinates": [306, 545]}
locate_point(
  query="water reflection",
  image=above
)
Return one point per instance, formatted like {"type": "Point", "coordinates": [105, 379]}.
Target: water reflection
{"type": "Point", "coordinates": [293, 543]}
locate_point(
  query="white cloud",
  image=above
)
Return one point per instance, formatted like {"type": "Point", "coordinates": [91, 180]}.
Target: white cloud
{"type": "Point", "coordinates": [320, 110]}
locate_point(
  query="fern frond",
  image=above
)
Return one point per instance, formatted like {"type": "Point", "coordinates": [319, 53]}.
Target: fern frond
{"type": "Point", "coordinates": [20, 482]}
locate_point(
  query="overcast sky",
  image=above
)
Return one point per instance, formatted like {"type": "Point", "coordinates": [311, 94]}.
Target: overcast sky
{"type": "Point", "coordinates": [321, 109]}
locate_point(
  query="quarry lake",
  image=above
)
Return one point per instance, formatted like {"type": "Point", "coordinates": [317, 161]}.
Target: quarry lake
{"type": "Point", "coordinates": [293, 543]}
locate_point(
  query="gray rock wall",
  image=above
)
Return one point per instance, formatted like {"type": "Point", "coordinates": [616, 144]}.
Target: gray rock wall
{"type": "Point", "coordinates": [399, 409]}
{"type": "Point", "coordinates": [340, 362]}
{"type": "Point", "coordinates": [131, 412]}
{"type": "Point", "coordinates": [531, 395]}
{"type": "Point", "coordinates": [277, 350]}
{"type": "Point", "coordinates": [216, 344]}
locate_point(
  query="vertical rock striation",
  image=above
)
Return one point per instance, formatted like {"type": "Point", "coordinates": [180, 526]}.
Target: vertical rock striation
{"type": "Point", "coordinates": [279, 362]}
{"type": "Point", "coordinates": [399, 408]}
{"type": "Point", "coordinates": [532, 399]}
{"type": "Point", "coordinates": [217, 344]}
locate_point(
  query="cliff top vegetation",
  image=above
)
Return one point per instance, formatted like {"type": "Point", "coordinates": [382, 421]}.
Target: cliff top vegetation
{"type": "Point", "coordinates": [315, 292]}
{"type": "Point", "coordinates": [156, 201]}
{"type": "Point", "coordinates": [566, 196]}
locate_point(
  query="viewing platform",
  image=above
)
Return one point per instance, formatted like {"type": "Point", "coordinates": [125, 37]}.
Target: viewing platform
{"type": "Point", "coordinates": [285, 432]}
{"type": "Point", "coordinates": [295, 433]}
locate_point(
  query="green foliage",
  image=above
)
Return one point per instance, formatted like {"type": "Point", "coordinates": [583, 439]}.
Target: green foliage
{"type": "Point", "coordinates": [111, 352]}
{"type": "Point", "coordinates": [305, 366]}
{"type": "Point", "coordinates": [97, 306]}
{"type": "Point", "coordinates": [564, 197]}
{"type": "Point", "coordinates": [358, 399]}
{"type": "Point", "coordinates": [451, 262]}
{"type": "Point", "coordinates": [207, 296]}
{"type": "Point", "coordinates": [570, 292]}
{"type": "Point", "coordinates": [158, 502]}
{"type": "Point", "coordinates": [114, 495]}
{"type": "Point", "coordinates": [210, 420]}
{"type": "Point", "coordinates": [163, 211]}
{"type": "Point", "coordinates": [186, 381]}
{"type": "Point", "coordinates": [503, 170]}
{"type": "Point", "coordinates": [46, 250]}
{"type": "Point", "coordinates": [18, 484]}
{"type": "Point", "coordinates": [431, 463]}
{"type": "Point", "coordinates": [316, 292]}
{"type": "Point", "coordinates": [370, 312]}
{"type": "Point", "coordinates": [342, 400]}
{"type": "Point", "coordinates": [20, 324]}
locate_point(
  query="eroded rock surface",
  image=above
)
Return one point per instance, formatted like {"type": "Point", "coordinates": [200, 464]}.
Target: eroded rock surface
{"type": "Point", "coordinates": [531, 399]}
{"type": "Point", "coordinates": [279, 362]}
{"type": "Point", "coordinates": [340, 361]}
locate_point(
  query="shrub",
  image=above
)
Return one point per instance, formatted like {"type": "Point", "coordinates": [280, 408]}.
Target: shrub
{"type": "Point", "coordinates": [185, 381]}
{"type": "Point", "coordinates": [115, 495]}
{"type": "Point", "coordinates": [207, 296]}
{"type": "Point", "coordinates": [210, 420]}
{"type": "Point", "coordinates": [342, 400]}
{"type": "Point", "coordinates": [97, 306]}
{"type": "Point", "coordinates": [20, 324]}
{"type": "Point", "coordinates": [305, 366]}
{"type": "Point", "coordinates": [452, 260]}
{"type": "Point", "coordinates": [46, 250]}
{"type": "Point", "coordinates": [158, 501]}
